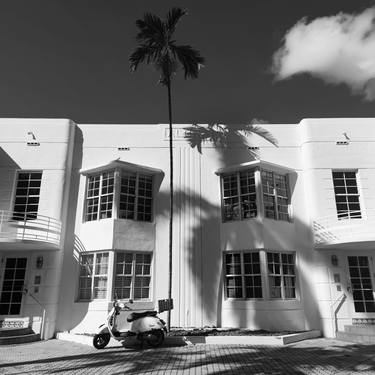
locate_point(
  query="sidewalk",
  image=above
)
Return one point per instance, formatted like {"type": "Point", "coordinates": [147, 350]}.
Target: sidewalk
{"type": "Point", "coordinates": [318, 357]}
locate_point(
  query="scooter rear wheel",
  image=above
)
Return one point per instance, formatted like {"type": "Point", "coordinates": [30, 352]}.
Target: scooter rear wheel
{"type": "Point", "coordinates": [101, 340]}
{"type": "Point", "coordinates": [154, 338]}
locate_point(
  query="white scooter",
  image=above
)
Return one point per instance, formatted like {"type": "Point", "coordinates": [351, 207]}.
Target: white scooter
{"type": "Point", "coordinates": [146, 326]}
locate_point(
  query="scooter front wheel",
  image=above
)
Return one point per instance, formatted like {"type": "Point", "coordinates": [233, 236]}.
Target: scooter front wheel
{"type": "Point", "coordinates": [154, 338]}
{"type": "Point", "coordinates": [101, 340]}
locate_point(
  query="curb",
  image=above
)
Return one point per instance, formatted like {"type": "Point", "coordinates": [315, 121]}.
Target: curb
{"type": "Point", "coordinates": [211, 340]}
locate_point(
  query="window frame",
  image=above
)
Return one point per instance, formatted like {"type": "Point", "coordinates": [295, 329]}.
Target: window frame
{"type": "Point", "coordinates": [239, 195]}
{"type": "Point", "coordinates": [23, 216]}
{"type": "Point", "coordinates": [118, 173]}
{"type": "Point", "coordinates": [346, 215]}
{"type": "Point", "coordinates": [133, 275]}
{"type": "Point", "coordinates": [243, 275]}
{"type": "Point", "coordinates": [93, 276]}
{"type": "Point", "coordinates": [276, 196]}
{"type": "Point", "coordinates": [282, 275]}
{"type": "Point", "coordinates": [259, 194]}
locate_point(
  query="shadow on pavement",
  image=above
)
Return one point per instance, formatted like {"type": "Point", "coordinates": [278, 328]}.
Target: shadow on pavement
{"type": "Point", "coordinates": [210, 359]}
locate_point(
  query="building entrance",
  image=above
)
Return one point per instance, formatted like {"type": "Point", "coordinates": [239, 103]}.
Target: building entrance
{"type": "Point", "coordinates": [12, 286]}
{"type": "Point", "coordinates": [361, 282]}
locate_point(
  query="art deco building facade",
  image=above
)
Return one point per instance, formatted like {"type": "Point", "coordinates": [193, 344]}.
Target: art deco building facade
{"type": "Point", "coordinates": [272, 237]}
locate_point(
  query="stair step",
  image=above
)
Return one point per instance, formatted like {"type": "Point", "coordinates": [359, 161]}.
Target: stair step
{"type": "Point", "coordinates": [355, 337]}
{"type": "Point", "coordinates": [7, 332]}
{"type": "Point", "coordinates": [365, 330]}
{"type": "Point", "coordinates": [22, 339]}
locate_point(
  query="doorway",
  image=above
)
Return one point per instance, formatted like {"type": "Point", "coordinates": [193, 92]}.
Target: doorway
{"type": "Point", "coordinates": [11, 292]}
{"type": "Point", "coordinates": [361, 282]}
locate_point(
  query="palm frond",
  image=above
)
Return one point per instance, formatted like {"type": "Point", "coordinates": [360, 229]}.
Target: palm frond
{"type": "Point", "coordinates": [223, 135]}
{"type": "Point", "coordinates": [262, 132]}
{"type": "Point", "coordinates": [190, 59]}
{"type": "Point", "coordinates": [173, 16]}
{"type": "Point", "coordinates": [151, 29]}
{"type": "Point", "coordinates": [141, 54]}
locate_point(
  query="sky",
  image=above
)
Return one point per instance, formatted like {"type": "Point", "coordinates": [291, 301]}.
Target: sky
{"type": "Point", "coordinates": [275, 60]}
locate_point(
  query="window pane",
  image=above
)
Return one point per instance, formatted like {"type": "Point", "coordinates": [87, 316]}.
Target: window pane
{"type": "Point", "coordinates": [234, 278]}
{"type": "Point", "coordinates": [346, 195]}
{"type": "Point", "coordinates": [136, 283]}
{"type": "Point", "coordinates": [27, 196]}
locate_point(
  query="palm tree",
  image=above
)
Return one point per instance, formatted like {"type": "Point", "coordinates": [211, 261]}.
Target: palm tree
{"type": "Point", "coordinates": [158, 48]}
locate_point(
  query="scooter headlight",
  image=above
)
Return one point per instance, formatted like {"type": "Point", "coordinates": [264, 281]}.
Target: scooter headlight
{"type": "Point", "coordinates": [121, 305]}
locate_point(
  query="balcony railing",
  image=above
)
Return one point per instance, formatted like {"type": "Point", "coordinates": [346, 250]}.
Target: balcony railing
{"type": "Point", "coordinates": [355, 226]}
{"type": "Point", "coordinates": [15, 227]}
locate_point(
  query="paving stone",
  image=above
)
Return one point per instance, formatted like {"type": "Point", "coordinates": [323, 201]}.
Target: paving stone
{"type": "Point", "coordinates": [316, 357]}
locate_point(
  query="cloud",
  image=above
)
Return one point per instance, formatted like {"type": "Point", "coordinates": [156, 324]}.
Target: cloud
{"type": "Point", "coordinates": [338, 49]}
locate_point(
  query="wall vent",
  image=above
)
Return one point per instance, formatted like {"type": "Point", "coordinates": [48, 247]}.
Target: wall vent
{"type": "Point", "coordinates": [253, 148]}
{"type": "Point", "coordinates": [123, 148]}
{"type": "Point", "coordinates": [342, 143]}
{"type": "Point", "coordinates": [33, 143]}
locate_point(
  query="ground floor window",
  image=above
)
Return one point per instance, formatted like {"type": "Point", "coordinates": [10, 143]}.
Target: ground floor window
{"type": "Point", "coordinates": [281, 275]}
{"type": "Point", "coordinates": [360, 278]}
{"type": "Point", "coordinates": [93, 276]}
{"type": "Point", "coordinates": [242, 275]}
{"type": "Point", "coordinates": [131, 275]}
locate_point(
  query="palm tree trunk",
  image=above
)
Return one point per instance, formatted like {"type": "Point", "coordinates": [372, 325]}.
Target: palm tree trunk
{"type": "Point", "coordinates": [171, 203]}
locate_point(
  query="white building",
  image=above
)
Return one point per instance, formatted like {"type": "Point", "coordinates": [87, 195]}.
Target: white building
{"type": "Point", "coordinates": [277, 238]}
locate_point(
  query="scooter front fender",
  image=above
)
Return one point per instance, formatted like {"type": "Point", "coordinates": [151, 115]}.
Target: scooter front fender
{"type": "Point", "coordinates": [102, 329]}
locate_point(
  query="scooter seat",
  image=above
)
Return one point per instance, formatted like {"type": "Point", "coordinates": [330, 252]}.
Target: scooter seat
{"type": "Point", "coordinates": [134, 316]}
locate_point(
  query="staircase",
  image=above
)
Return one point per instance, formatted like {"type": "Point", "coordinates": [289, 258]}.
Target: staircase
{"type": "Point", "coordinates": [10, 336]}
{"type": "Point", "coordinates": [359, 333]}
{"type": "Point", "coordinates": [16, 332]}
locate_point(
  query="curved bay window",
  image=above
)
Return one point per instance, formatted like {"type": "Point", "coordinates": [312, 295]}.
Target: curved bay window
{"type": "Point", "coordinates": [120, 190]}
{"type": "Point", "coordinates": [254, 189]}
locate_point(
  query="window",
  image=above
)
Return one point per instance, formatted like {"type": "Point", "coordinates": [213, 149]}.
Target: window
{"type": "Point", "coordinates": [27, 195]}
{"type": "Point", "coordinates": [99, 198]}
{"type": "Point", "coordinates": [134, 200]}
{"type": "Point", "coordinates": [93, 276]}
{"type": "Point", "coordinates": [281, 275]}
{"type": "Point", "coordinates": [133, 276]}
{"type": "Point", "coordinates": [360, 279]}
{"type": "Point", "coordinates": [239, 196]}
{"type": "Point", "coordinates": [275, 195]}
{"type": "Point", "coordinates": [136, 197]}
{"type": "Point", "coordinates": [242, 275]}
{"type": "Point", "coordinates": [346, 195]}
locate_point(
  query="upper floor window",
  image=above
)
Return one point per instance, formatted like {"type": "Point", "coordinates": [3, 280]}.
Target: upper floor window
{"type": "Point", "coordinates": [136, 197]}
{"type": "Point", "coordinates": [275, 195]}
{"type": "Point", "coordinates": [239, 195]}
{"type": "Point", "coordinates": [133, 199]}
{"type": "Point", "coordinates": [27, 195]}
{"type": "Point", "coordinates": [346, 194]}
{"type": "Point", "coordinates": [99, 200]}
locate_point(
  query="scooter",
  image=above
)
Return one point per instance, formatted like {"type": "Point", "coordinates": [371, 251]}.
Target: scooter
{"type": "Point", "coordinates": [146, 326]}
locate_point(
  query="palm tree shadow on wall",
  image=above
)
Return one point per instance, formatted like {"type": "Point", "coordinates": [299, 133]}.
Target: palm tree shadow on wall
{"type": "Point", "coordinates": [202, 246]}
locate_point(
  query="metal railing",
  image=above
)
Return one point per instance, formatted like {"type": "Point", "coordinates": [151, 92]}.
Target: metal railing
{"type": "Point", "coordinates": [349, 227]}
{"type": "Point", "coordinates": [15, 226]}
{"type": "Point", "coordinates": [335, 308]}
